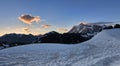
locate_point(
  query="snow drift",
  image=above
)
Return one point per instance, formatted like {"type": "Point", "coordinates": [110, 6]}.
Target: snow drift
{"type": "Point", "coordinates": [101, 50]}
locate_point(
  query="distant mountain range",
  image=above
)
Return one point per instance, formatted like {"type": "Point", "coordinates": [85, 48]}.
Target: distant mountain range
{"type": "Point", "coordinates": [91, 29]}
{"type": "Point", "coordinates": [78, 33]}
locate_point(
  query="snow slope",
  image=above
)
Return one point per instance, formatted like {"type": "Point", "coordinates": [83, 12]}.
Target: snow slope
{"type": "Point", "coordinates": [101, 50]}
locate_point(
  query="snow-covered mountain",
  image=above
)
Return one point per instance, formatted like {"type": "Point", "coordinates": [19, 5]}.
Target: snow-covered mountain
{"type": "Point", "coordinates": [102, 50]}
{"type": "Point", "coordinates": [88, 29]}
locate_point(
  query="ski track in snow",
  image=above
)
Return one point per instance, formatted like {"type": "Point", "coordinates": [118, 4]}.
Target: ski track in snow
{"type": "Point", "coordinates": [101, 50]}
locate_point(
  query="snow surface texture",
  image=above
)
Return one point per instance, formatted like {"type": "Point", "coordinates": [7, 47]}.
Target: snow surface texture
{"type": "Point", "coordinates": [101, 50]}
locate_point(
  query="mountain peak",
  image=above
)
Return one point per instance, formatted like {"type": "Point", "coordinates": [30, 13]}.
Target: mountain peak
{"type": "Point", "coordinates": [88, 29]}
{"type": "Point", "coordinates": [84, 23]}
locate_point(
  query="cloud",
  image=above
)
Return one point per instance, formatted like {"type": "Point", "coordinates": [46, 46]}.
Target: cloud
{"type": "Point", "coordinates": [29, 19]}
{"type": "Point", "coordinates": [46, 26]}
{"type": "Point", "coordinates": [26, 30]}
{"type": "Point", "coordinates": [62, 30]}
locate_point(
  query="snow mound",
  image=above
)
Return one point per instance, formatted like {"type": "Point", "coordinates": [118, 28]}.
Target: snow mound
{"type": "Point", "coordinates": [101, 50]}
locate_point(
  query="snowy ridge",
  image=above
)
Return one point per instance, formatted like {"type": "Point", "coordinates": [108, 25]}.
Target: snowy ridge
{"type": "Point", "coordinates": [101, 50]}
{"type": "Point", "coordinates": [87, 29]}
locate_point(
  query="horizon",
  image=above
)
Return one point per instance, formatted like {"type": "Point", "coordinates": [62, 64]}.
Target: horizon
{"type": "Point", "coordinates": [85, 23]}
{"type": "Point", "coordinates": [42, 16]}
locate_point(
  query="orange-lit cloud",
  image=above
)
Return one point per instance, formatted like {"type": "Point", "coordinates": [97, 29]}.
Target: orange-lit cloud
{"type": "Point", "coordinates": [62, 30]}
{"type": "Point", "coordinates": [29, 19]}
{"type": "Point", "coordinates": [46, 26]}
{"type": "Point", "coordinates": [26, 30]}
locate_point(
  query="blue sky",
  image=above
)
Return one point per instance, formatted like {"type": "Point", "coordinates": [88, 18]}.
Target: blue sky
{"type": "Point", "coordinates": [59, 14]}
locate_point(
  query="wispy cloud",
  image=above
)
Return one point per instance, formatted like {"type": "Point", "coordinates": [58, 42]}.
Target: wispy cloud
{"type": "Point", "coordinates": [46, 26]}
{"type": "Point", "coordinates": [26, 30]}
{"type": "Point", "coordinates": [62, 30]}
{"type": "Point", "coordinates": [29, 19]}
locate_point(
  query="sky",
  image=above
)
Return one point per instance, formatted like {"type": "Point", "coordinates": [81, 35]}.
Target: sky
{"type": "Point", "coordinates": [42, 16]}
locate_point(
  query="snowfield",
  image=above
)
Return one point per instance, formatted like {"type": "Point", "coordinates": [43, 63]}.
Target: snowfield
{"type": "Point", "coordinates": [101, 50]}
